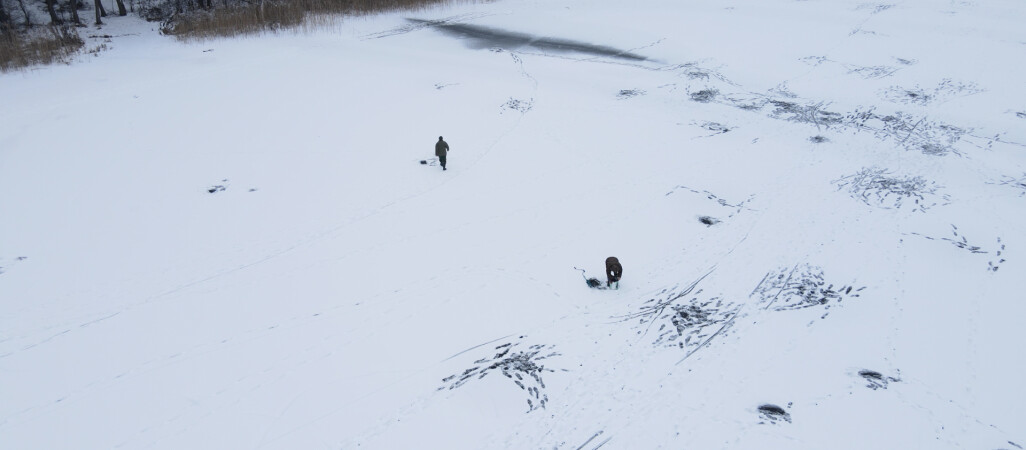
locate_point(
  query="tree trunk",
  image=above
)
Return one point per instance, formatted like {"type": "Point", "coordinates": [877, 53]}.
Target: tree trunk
{"type": "Point", "coordinates": [54, 20]}
{"type": "Point", "coordinates": [5, 19]}
{"type": "Point", "coordinates": [24, 12]}
{"type": "Point", "coordinates": [121, 8]}
{"type": "Point", "coordinates": [103, 12]}
{"type": "Point", "coordinates": [73, 4]}
{"type": "Point", "coordinates": [98, 7]}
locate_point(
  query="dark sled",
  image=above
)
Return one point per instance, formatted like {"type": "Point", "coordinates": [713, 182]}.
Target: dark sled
{"type": "Point", "coordinates": [595, 283]}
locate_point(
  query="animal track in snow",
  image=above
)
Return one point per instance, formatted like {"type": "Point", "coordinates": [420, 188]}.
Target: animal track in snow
{"type": "Point", "coordinates": [720, 201]}
{"type": "Point", "coordinates": [962, 242]}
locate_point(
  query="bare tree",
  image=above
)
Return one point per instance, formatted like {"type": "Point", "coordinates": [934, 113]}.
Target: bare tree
{"type": "Point", "coordinates": [121, 8]}
{"type": "Point", "coordinates": [98, 8]}
{"type": "Point", "coordinates": [25, 13]}
{"type": "Point", "coordinates": [54, 20]}
{"type": "Point", "coordinates": [73, 6]}
{"type": "Point", "coordinates": [5, 19]}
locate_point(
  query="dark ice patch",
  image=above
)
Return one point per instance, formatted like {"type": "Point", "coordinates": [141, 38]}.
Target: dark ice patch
{"type": "Point", "coordinates": [773, 413]}
{"type": "Point", "coordinates": [628, 93]}
{"type": "Point", "coordinates": [875, 380]}
{"type": "Point", "coordinates": [218, 187]}
{"type": "Point", "coordinates": [708, 221]}
{"type": "Point", "coordinates": [480, 37]}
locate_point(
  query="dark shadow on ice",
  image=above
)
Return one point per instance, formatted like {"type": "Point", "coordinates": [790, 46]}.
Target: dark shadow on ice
{"type": "Point", "coordinates": [485, 37]}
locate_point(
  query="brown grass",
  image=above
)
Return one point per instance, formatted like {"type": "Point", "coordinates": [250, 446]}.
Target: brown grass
{"type": "Point", "coordinates": [282, 15]}
{"type": "Point", "coordinates": [57, 44]}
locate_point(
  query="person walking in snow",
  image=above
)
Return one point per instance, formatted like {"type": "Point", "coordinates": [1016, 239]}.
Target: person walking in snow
{"type": "Point", "coordinates": [613, 271]}
{"type": "Point", "coordinates": [441, 148]}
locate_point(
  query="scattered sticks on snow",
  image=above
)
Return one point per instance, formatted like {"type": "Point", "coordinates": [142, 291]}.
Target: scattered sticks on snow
{"type": "Point", "coordinates": [876, 8]}
{"type": "Point", "coordinates": [813, 113]}
{"type": "Point", "coordinates": [875, 380]}
{"type": "Point", "coordinates": [688, 326]}
{"type": "Point", "coordinates": [912, 132]}
{"type": "Point", "coordinates": [628, 93]}
{"type": "Point", "coordinates": [947, 89]}
{"type": "Point", "coordinates": [878, 187]}
{"type": "Point", "coordinates": [653, 308]}
{"type": "Point", "coordinates": [715, 127]}
{"type": "Point", "coordinates": [962, 242]}
{"type": "Point", "coordinates": [773, 413]}
{"type": "Point", "coordinates": [865, 72]}
{"type": "Point", "coordinates": [592, 438]}
{"type": "Point", "coordinates": [871, 72]}
{"type": "Point", "coordinates": [523, 367]}
{"type": "Point", "coordinates": [800, 287]}
{"type": "Point", "coordinates": [522, 106]}
{"type": "Point", "coordinates": [704, 95]}
{"type": "Point", "coordinates": [685, 323]}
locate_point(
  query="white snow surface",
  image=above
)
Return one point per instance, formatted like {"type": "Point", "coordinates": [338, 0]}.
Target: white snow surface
{"type": "Point", "coordinates": [862, 165]}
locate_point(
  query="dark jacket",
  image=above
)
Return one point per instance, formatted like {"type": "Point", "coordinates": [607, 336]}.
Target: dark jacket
{"type": "Point", "coordinates": [613, 269]}
{"type": "Point", "coordinates": [441, 148]}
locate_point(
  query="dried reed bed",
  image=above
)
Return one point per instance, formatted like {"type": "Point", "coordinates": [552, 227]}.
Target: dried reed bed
{"type": "Point", "coordinates": [279, 16]}
{"type": "Point", "coordinates": [55, 44]}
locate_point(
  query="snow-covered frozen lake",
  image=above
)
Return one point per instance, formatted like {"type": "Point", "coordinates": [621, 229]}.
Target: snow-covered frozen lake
{"type": "Point", "coordinates": [819, 206]}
